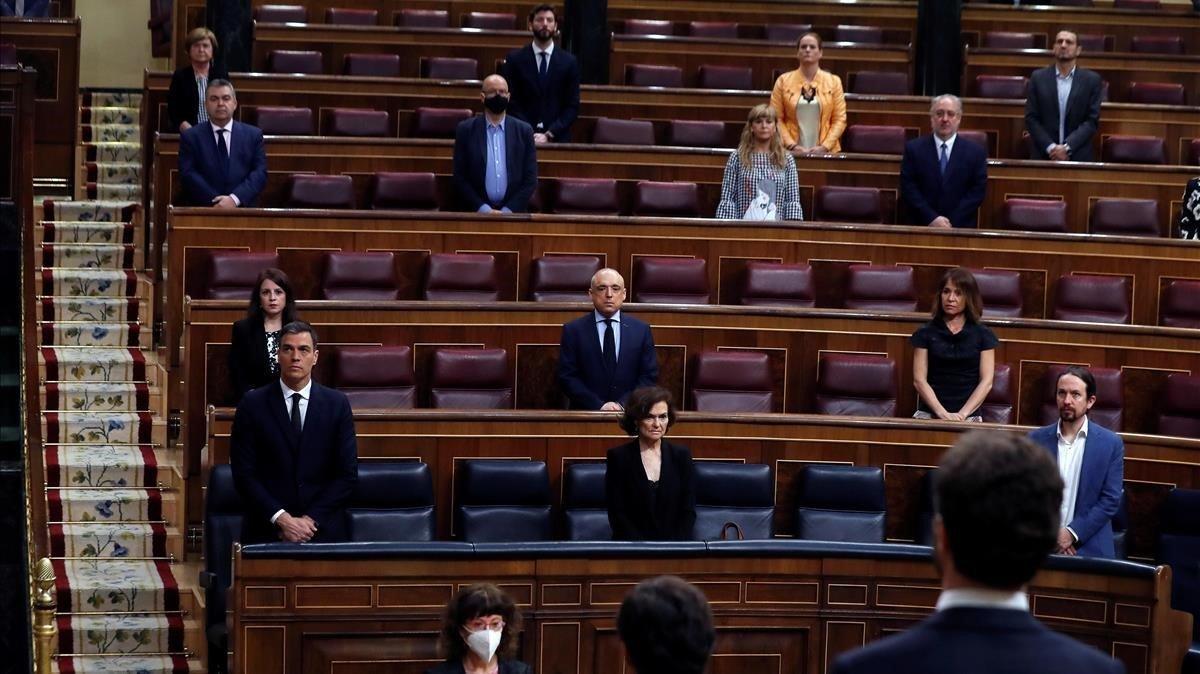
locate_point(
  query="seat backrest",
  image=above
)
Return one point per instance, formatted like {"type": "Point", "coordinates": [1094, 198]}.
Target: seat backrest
{"type": "Point", "coordinates": [437, 122]}
{"type": "Point", "coordinates": [1034, 215]}
{"type": "Point", "coordinates": [643, 75]}
{"type": "Point", "coordinates": [1002, 39]}
{"type": "Point", "coordinates": [1194, 152]}
{"type": "Point", "coordinates": [1180, 304]}
{"type": "Point", "coordinates": [562, 278]}
{"type": "Point", "coordinates": [678, 199]}
{"type": "Point", "coordinates": [742, 493]}
{"type": "Point", "coordinates": [8, 54]}
{"type": "Point", "coordinates": [1179, 413]}
{"type": "Point", "coordinates": [587, 196]}
{"type": "Point", "coordinates": [841, 503]}
{"type": "Point", "coordinates": [777, 284]}
{"type": "Point", "coordinates": [647, 27]}
{"type": "Point", "coordinates": [848, 204]}
{"type": "Point", "coordinates": [342, 16]}
{"type": "Point", "coordinates": [608, 131]}
{"type": "Point", "coordinates": [879, 83]}
{"type": "Point", "coordinates": [980, 138]}
{"type": "Point", "coordinates": [873, 139]}
{"type": "Point", "coordinates": [392, 501]}
{"type": "Point", "coordinates": [1000, 290]}
{"type": "Point", "coordinates": [306, 190]}
{"type": "Point", "coordinates": [371, 65]}
{"type": "Point", "coordinates": [874, 287]}
{"type": "Point", "coordinates": [1156, 44]}
{"type": "Point", "coordinates": [861, 34]}
{"type": "Point", "coordinates": [851, 384]}
{"type": "Point", "coordinates": [447, 68]}
{"type": "Point", "coordinates": [1091, 298]}
{"type": "Point", "coordinates": [1127, 217]}
{"type": "Point", "coordinates": [695, 133]}
{"type": "Point", "coordinates": [997, 407]}
{"type": "Point", "coordinates": [470, 379]}
{"type": "Point", "coordinates": [1110, 397]}
{"type": "Point", "coordinates": [423, 18]}
{"type": "Point", "coordinates": [1162, 93]}
{"type": "Point", "coordinates": [732, 381]}
{"type": "Point", "coordinates": [232, 273]}
{"type": "Point", "coordinates": [404, 191]}
{"type": "Point", "coordinates": [1120, 526]}
{"type": "Point", "coordinates": [786, 32]}
{"type": "Point", "coordinates": [376, 376]}
{"type": "Point", "coordinates": [461, 277]}
{"type": "Point", "coordinates": [585, 505]}
{"type": "Point", "coordinates": [291, 61]}
{"type": "Point", "coordinates": [357, 122]}
{"type": "Point", "coordinates": [359, 276]}
{"type": "Point", "coordinates": [925, 509]}
{"type": "Point", "coordinates": [223, 514]}
{"type": "Point", "coordinates": [503, 501]}
{"type": "Point", "coordinates": [670, 280]}
{"type": "Point", "coordinates": [1001, 86]}
{"type": "Point", "coordinates": [284, 121]}
{"type": "Point", "coordinates": [1134, 149]}
{"type": "Point", "coordinates": [281, 14]}
{"type": "Point", "coordinates": [1096, 42]}
{"type": "Point", "coordinates": [721, 30]}
{"type": "Point", "coordinates": [1179, 546]}
{"type": "Point", "coordinates": [725, 77]}
{"type": "Point", "coordinates": [490, 20]}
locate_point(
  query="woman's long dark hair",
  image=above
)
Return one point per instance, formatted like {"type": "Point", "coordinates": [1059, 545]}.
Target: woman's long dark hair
{"type": "Point", "coordinates": [280, 279]}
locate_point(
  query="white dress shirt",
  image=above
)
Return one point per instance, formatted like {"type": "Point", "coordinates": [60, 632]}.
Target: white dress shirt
{"type": "Point", "coordinates": [616, 323]}
{"type": "Point", "coordinates": [949, 143]}
{"type": "Point", "coordinates": [537, 58]}
{"type": "Point", "coordinates": [228, 145]}
{"type": "Point", "coordinates": [1070, 464]}
{"type": "Point", "coordinates": [287, 404]}
{"type": "Point", "coordinates": [978, 597]}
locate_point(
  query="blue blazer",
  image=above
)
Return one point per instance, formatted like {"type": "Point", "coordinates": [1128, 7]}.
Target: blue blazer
{"type": "Point", "coordinates": [979, 641]}
{"type": "Point", "coordinates": [553, 104]}
{"type": "Point", "coordinates": [1101, 480]}
{"type": "Point", "coordinates": [470, 161]}
{"type": "Point", "coordinates": [33, 8]}
{"type": "Point", "coordinates": [1083, 112]}
{"type": "Point", "coordinates": [312, 474]}
{"type": "Point", "coordinates": [203, 175]}
{"type": "Point", "coordinates": [928, 195]}
{"type": "Point", "coordinates": [582, 375]}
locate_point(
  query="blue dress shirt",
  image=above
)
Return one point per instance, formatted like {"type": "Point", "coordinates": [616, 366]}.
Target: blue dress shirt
{"type": "Point", "coordinates": [496, 179]}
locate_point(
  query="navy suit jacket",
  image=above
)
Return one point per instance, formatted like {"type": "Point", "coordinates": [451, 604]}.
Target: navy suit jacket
{"type": "Point", "coordinates": [313, 474]}
{"type": "Point", "coordinates": [978, 641]}
{"type": "Point", "coordinates": [928, 195]}
{"type": "Point", "coordinates": [470, 162]}
{"type": "Point", "coordinates": [1101, 480]}
{"type": "Point", "coordinates": [33, 8]}
{"type": "Point", "coordinates": [203, 175]}
{"type": "Point", "coordinates": [582, 375]}
{"type": "Point", "coordinates": [1083, 112]}
{"type": "Point", "coordinates": [550, 106]}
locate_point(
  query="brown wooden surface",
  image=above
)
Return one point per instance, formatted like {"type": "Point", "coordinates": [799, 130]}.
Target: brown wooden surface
{"type": "Point", "coordinates": [1120, 24]}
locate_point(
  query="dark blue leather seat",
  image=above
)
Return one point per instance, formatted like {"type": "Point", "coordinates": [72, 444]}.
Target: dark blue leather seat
{"type": "Point", "coordinates": [503, 501]}
{"type": "Point", "coordinates": [1120, 525]}
{"type": "Point", "coordinates": [585, 508]}
{"type": "Point", "coordinates": [925, 509]}
{"type": "Point", "coordinates": [742, 493]}
{"type": "Point", "coordinates": [1179, 546]}
{"type": "Point", "coordinates": [222, 528]}
{"type": "Point", "coordinates": [392, 501]}
{"type": "Point", "coordinates": [841, 503]}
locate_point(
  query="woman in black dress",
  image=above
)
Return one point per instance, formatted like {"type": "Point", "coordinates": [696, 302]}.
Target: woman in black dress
{"type": "Point", "coordinates": [954, 356]}
{"type": "Point", "coordinates": [648, 482]}
{"type": "Point", "coordinates": [479, 633]}
{"type": "Point", "coordinates": [254, 347]}
{"type": "Point", "coordinates": [185, 98]}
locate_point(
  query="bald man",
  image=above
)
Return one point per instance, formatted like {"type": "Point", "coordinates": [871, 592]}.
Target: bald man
{"type": "Point", "coordinates": [495, 163]}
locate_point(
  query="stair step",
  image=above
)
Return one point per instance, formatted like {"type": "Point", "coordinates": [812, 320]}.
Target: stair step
{"type": "Point", "coordinates": [100, 396]}
{"type": "Point", "coordinates": [89, 256]}
{"type": "Point", "coordinates": [100, 98]}
{"type": "Point", "coordinates": [113, 173]}
{"type": "Point", "coordinates": [111, 585]}
{"type": "Point", "coordinates": [48, 231]}
{"type": "Point", "coordinates": [94, 283]}
{"type": "Point", "coordinates": [91, 211]}
{"type": "Point", "coordinates": [102, 151]}
{"type": "Point", "coordinates": [78, 364]}
{"type": "Point", "coordinates": [97, 310]}
{"type": "Point", "coordinates": [111, 505]}
{"type": "Point", "coordinates": [126, 633]}
{"type": "Point", "coordinates": [112, 466]}
{"type": "Point", "coordinates": [110, 133]}
{"type": "Point", "coordinates": [142, 664]}
{"type": "Point", "coordinates": [108, 114]}
{"type": "Point", "coordinates": [115, 428]}
{"type": "Point", "coordinates": [116, 540]}
{"type": "Point", "coordinates": [93, 190]}
{"type": "Point", "coordinates": [82, 333]}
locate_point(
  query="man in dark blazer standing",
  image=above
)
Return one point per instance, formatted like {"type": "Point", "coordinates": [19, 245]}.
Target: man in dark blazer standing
{"type": "Point", "coordinates": [222, 163]}
{"type": "Point", "coordinates": [1062, 106]}
{"type": "Point", "coordinates": [293, 450]}
{"type": "Point", "coordinates": [943, 178]}
{"type": "Point", "coordinates": [544, 80]}
{"type": "Point", "coordinates": [997, 499]}
{"type": "Point", "coordinates": [495, 162]}
{"type": "Point", "coordinates": [604, 355]}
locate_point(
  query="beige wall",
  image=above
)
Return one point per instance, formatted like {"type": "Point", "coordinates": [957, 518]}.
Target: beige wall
{"type": "Point", "coordinates": [115, 45]}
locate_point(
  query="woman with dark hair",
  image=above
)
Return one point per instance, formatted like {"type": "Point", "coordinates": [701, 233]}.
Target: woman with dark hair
{"type": "Point", "coordinates": [648, 481]}
{"type": "Point", "coordinates": [760, 178]}
{"type": "Point", "coordinates": [479, 633]}
{"type": "Point", "coordinates": [185, 98]}
{"type": "Point", "coordinates": [954, 356]}
{"type": "Point", "coordinates": [254, 346]}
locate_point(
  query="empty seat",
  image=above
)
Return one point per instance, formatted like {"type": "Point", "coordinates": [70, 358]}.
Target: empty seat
{"type": "Point", "coordinates": [1001, 86]}
{"type": "Point", "coordinates": [861, 34]}
{"type": "Point", "coordinates": [848, 204]}
{"type": "Point", "coordinates": [1179, 413]}
{"type": "Point", "coordinates": [724, 77]}
{"type": "Point", "coordinates": [356, 122]}
{"type": "Point", "coordinates": [490, 20]}
{"type": "Point", "coordinates": [872, 287]}
{"type": "Point", "coordinates": [503, 501]}
{"type": "Point", "coordinates": [872, 139]}
{"type": "Point", "coordinates": [284, 121]}
{"type": "Point", "coordinates": [281, 14]}
{"type": "Point", "coordinates": [8, 54]}
{"type": "Point", "coordinates": [392, 501]}
{"type": "Point", "coordinates": [376, 376]}
{"type": "Point", "coordinates": [562, 278]}
{"type": "Point", "coordinates": [738, 493]}
{"type": "Point", "coordinates": [721, 30]}
{"type": "Point", "coordinates": [342, 16]}
{"type": "Point", "coordinates": [980, 138]}
{"type": "Point", "coordinates": [371, 65]}
{"type": "Point", "coordinates": [446, 68]}
{"type": "Point", "coordinates": [290, 61]}
{"type": "Point", "coordinates": [997, 407]}
{"type": "Point", "coordinates": [1001, 39]}
{"type": "Point", "coordinates": [670, 280]}
{"type": "Point", "coordinates": [223, 514]}
{"type": "Point", "coordinates": [777, 284]}
{"type": "Point", "coordinates": [841, 503]}
{"type": "Point", "coordinates": [470, 379]}
{"type": "Point", "coordinates": [437, 122]}
{"type": "Point", "coordinates": [423, 18]}
{"type": "Point", "coordinates": [678, 199]}
{"type": "Point", "coordinates": [1179, 546]}
{"type": "Point", "coordinates": [404, 191]}
{"type": "Point", "coordinates": [1110, 398]}
{"type": "Point", "coordinates": [1156, 44]}
{"type": "Point", "coordinates": [1162, 93]}
{"type": "Point", "coordinates": [1129, 217]}
{"type": "Point", "coordinates": [1034, 215]}
{"type": "Point", "coordinates": [692, 133]}
{"type": "Point", "coordinates": [359, 276]}
{"type": "Point", "coordinates": [786, 32]}
{"type": "Point", "coordinates": [851, 384]}
{"type": "Point", "coordinates": [610, 131]}
{"type": "Point", "coordinates": [1120, 525]}
{"type": "Point", "coordinates": [732, 381]}
{"type": "Point", "coordinates": [596, 196]}
{"type": "Point", "coordinates": [878, 83]}
{"type": "Point", "coordinates": [1179, 306]}
{"type": "Point", "coordinates": [648, 27]}
{"type": "Point", "coordinates": [642, 75]}
{"type": "Point", "coordinates": [1000, 290]}
{"type": "Point", "coordinates": [585, 504]}
{"type": "Point", "coordinates": [461, 277]}
{"type": "Point", "coordinates": [1134, 149]}
{"type": "Point", "coordinates": [231, 274]}
{"type": "Point", "coordinates": [1096, 42]}
{"type": "Point", "coordinates": [306, 190]}
{"type": "Point", "coordinates": [1095, 299]}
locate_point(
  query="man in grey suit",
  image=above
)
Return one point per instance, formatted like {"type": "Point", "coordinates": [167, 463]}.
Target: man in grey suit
{"type": "Point", "coordinates": [1062, 107]}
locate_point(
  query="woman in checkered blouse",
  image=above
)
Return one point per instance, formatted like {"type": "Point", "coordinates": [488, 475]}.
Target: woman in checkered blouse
{"type": "Point", "coordinates": [760, 178]}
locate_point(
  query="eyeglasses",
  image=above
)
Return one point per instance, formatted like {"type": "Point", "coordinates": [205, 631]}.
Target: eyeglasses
{"type": "Point", "coordinates": [495, 624]}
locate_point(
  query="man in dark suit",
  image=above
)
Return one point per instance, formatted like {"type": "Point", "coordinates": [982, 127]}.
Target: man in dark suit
{"type": "Point", "coordinates": [495, 162]}
{"type": "Point", "coordinates": [27, 8]}
{"type": "Point", "coordinates": [293, 450]}
{"type": "Point", "coordinates": [943, 179]}
{"type": "Point", "coordinates": [604, 355]}
{"type": "Point", "coordinates": [544, 80]}
{"type": "Point", "coordinates": [1062, 106]}
{"type": "Point", "coordinates": [997, 498]}
{"type": "Point", "coordinates": [1091, 459]}
{"type": "Point", "coordinates": [222, 163]}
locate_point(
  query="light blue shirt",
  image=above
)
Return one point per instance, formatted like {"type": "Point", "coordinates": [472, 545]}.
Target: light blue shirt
{"type": "Point", "coordinates": [616, 323]}
{"type": "Point", "coordinates": [1064, 92]}
{"type": "Point", "coordinates": [495, 181]}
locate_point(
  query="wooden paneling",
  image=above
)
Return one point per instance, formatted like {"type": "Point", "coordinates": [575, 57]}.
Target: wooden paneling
{"type": "Point", "coordinates": [1120, 24]}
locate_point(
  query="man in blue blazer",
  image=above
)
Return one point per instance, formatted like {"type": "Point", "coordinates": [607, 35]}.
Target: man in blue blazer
{"type": "Point", "coordinates": [1062, 106]}
{"type": "Point", "coordinates": [222, 163]}
{"type": "Point", "coordinates": [943, 178]}
{"type": "Point", "coordinates": [495, 163]}
{"type": "Point", "coordinates": [997, 498]}
{"type": "Point", "coordinates": [604, 355]}
{"type": "Point", "coordinates": [544, 80]}
{"type": "Point", "coordinates": [293, 450]}
{"type": "Point", "coordinates": [1091, 459]}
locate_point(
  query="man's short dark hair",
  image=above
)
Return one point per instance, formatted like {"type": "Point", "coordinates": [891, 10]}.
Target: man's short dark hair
{"type": "Point", "coordinates": [542, 8]}
{"type": "Point", "coordinates": [1085, 375]}
{"type": "Point", "coordinates": [299, 327]}
{"type": "Point", "coordinates": [667, 627]}
{"type": "Point", "coordinates": [998, 496]}
{"type": "Point", "coordinates": [221, 82]}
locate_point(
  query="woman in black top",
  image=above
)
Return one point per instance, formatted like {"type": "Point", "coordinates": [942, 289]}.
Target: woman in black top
{"type": "Point", "coordinates": [184, 99]}
{"type": "Point", "coordinates": [954, 355]}
{"type": "Point", "coordinates": [648, 482]}
{"type": "Point", "coordinates": [254, 347]}
{"type": "Point", "coordinates": [479, 633]}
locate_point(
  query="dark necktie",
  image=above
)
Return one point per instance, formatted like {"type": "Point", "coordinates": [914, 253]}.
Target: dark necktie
{"type": "Point", "coordinates": [222, 146]}
{"type": "Point", "coordinates": [944, 160]}
{"type": "Point", "coordinates": [296, 425]}
{"type": "Point", "coordinates": [610, 345]}
{"type": "Point", "coordinates": [542, 59]}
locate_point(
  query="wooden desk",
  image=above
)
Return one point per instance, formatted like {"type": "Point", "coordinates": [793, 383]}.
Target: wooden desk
{"type": "Point", "coordinates": [1119, 70]}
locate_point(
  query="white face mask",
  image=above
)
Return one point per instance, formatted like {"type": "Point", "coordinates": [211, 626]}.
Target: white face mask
{"type": "Point", "coordinates": [483, 643]}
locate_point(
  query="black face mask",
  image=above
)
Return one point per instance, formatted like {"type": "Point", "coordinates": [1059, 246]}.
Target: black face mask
{"type": "Point", "coordinates": [496, 104]}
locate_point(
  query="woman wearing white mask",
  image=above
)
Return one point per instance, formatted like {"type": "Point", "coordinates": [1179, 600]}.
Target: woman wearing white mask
{"type": "Point", "coordinates": [479, 633]}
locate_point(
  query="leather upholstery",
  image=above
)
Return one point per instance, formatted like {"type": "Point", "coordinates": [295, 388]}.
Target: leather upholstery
{"type": "Point", "coordinates": [926, 509]}
{"type": "Point", "coordinates": [642, 75]}
{"type": "Point", "coordinates": [850, 384]}
{"type": "Point", "coordinates": [306, 190]}
{"type": "Point", "coordinates": [1156, 44]}
{"type": "Point", "coordinates": [423, 18]}
{"type": "Point", "coordinates": [743, 493]}
{"type": "Point", "coordinates": [587, 196]}
{"type": "Point", "coordinates": [223, 513]}
{"type": "Point", "coordinates": [1001, 86]}
{"type": "Point", "coordinates": [359, 276]}
{"type": "Point", "coordinates": [1179, 546]}
{"type": "Point", "coordinates": [786, 32]}
{"type": "Point", "coordinates": [997, 407]}
{"type": "Point", "coordinates": [371, 65]}
{"type": "Point", "coordinates": [879, 83]}
{"type": "Point", "coordinates": [1034, 215]}
{"type": "Point", "coordinates": [284, 121]}
{"type": "Point", "coordinates": [404, 191]}
{"type": "Point", "coordinates": [232, 273]}
{"type": "Point", "coordinates": [342, 16]}
{"type": "Point", "coordinates": [1095, 299]}
{"type": "Point", "coordinates": [980, 138]}
{"type": "Point", "coordinates": [503, 501]}
{"type": "Point", "coordinates": [357, 122]}
{"type": "Point", "coordinates": [490, 20]}
{"type": "Point", "coordinates": [437, 122]}
{"type": "Point", "coordinates": [8, 54]}
{"type": "Point", "coordinates": [608, 131]}
{"type": "Point", "coordinates": [1096, 42]}
{"type": "Point", "coordinates": [848, 204]}
{"type": "Point", "coordinates": [873, 287]}
{"type": "Point", "coordinates": [1194, 152]}
{"type": "Point", "coordinates": [730, 381]}
{"type": "Point", "coordinates": [1110, 397]}
{"type": "Point", "coordinates": [562, 278]}
{"type": "Point", "coordinates": [670, 280]}
{"type": "Point", "coordinates": [648, 27]}
{"type": "Point", "coordinates": [463, 378]}
{"type": "Point", "coordinates": [720, 30]}
{"type": "Point", "coordinates": [1162, 93]}
{"type": "Point", "coordinates": [1180, 304]}
{"type": "Point", "coordinates": [1120, 526]}
{"type": "Point", "coordinates": [678, 199]}
{"type": "Point", "coordinates": [1134, 150]}
{"type": "Point", "coordinates": [446, 68]}
{"type": "Point", "coordinates": [860, 34]}
{"type": "Point", "coordinates": [999, 39]}
{"type": "Point", "coordinates": [585, 504]}
{"type": "Point", "coordinates": [1000, 290]}
{"type": "Point", "coordinates": [392, 501]}
{"type": "Point", "coordinates": [1137, 4]}
{"type": "Point", "coordinates": [295, 61]}
{"type": "Point", "coordinates": [777, 284]}
{"type": "Point", "coordinates": [841, 503]}
{"type": "Point", "coordinates": [281, 14]}
{"type": "Point", "coordinates": [461, 277]}
{"type": "Point", "coordinates": [873, 139]}
{"type": "Point", "coordinates": [1179, 414]}
{"type": "Point", "coordinates": [376, 376]}
{"type": "Point", "coordinates": [695, 133]}
{"type": "Point", "coordinates": [1127, 217]}
{"type": "Point", "coordinates": [725, 77]}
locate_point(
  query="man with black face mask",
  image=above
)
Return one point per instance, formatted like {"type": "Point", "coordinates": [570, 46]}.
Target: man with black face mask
{"type": "Point", "coordinates": [495, 163]}
{"type": "Point", "coordinates": [544, 80]}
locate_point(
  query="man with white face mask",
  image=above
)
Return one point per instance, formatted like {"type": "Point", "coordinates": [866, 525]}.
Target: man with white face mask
{"type": "Point", "coordinates": [479, 628]}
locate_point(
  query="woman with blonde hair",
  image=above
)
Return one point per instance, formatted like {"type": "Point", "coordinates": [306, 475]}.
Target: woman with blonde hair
{"type": "Point", "coordinates": [810, 103]}
{"type": "Point", "coordinates": [760, 178]}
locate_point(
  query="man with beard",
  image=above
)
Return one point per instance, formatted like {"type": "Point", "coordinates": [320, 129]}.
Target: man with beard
{"type": "Point", "coordinates": [495, 161]}
{"type": "Point", "coordinates": [1062, 106]}
{"type": "Point", "coordinates": [544, 80]}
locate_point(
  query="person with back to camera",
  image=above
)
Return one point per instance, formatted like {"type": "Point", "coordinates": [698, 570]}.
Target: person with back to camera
{"type": "Point", "coordinates": [479, 633]}
{"type": "Point", "coordinates": [954, 355]}
{"type": "Point", "coordinates": [185, 97]}
{"type": "Point", "coordinates": [760, 177]}
{"type": "Point", "coordinates": [648, 481]}
{"type": "Point", "coordinates": [667, 627]}
{"type": "Point", "coordinates": [254, 344]}
{"type": "Point", "coordinates": [810, 103]}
